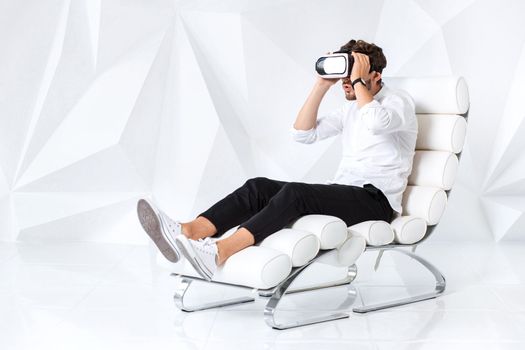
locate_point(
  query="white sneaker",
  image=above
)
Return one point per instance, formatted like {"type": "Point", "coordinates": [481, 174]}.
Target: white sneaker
{"type": "Point", "coordinates": [202, 254]}
{"type": "Point", "coordinates": [161, 228]}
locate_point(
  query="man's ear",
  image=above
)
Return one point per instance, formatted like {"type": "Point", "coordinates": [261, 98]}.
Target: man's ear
{"type": "Point", "coordinates": [376, 77]}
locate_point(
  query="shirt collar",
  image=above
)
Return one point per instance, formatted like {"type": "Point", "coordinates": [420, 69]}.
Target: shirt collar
{"type": "Point", "coordinates": [381, 93]}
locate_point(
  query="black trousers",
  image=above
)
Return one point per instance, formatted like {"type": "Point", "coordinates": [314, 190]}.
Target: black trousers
{"type": "Point", "coordinates": [264, 206]}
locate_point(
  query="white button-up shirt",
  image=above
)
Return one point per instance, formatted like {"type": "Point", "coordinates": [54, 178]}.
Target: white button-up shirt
{"type": "Point", "coordinates": [379, 141]}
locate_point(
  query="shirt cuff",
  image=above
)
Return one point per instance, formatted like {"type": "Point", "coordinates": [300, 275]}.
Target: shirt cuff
{"type": "Point", "coordinates": [301, 132]}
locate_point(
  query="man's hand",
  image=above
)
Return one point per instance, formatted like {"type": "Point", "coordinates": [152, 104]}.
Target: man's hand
{"type": "Point", "coordinates": [361, 69]}
{"type": "Point", "coordinates": [361, 66]}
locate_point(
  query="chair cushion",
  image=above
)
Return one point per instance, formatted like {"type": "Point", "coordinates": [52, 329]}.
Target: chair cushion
{"type": "Point", "coordinates": [347, 253]}
{"type": "Point", "coordinates": [425, 202]}
{"type": "Point", "coordinates": [330, 230]}
{"type": "Point", "coordinates": [351, 249]}
{"type": "Point", "coordinates": [301, 246]}
{"type": "Point", "coordinates": [254, 266]}
{"type": "Point", "coordinates": [408, 229]}
{"type": "Point", "coordinates": [443, 95]}
{"type": "Point", "coordinates": [434, 168]}
{"type": "Point", "coordinates": [441, 132]}
{"type": "Point", "coordinates": [375, 232]}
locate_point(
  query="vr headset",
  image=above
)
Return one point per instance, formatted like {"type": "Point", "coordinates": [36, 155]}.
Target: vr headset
{"type": "Point", "coordinates": [336, 65]}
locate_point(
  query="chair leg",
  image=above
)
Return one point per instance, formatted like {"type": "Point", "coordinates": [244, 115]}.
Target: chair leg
{"type": "Point", "coordinates": [439, 288]}
{"type": "Point", "coordinates": [351, 275]}
{"type": "Point", "coordinates": [282, 289]}
{"type": "Point", "coordinates": [181, 292]}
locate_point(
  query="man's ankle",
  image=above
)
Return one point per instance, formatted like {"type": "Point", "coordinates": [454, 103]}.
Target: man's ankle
{"type": "Point", "coordinates": [187, 230]}
{"type": "Point", "coordinates": [220, 253]}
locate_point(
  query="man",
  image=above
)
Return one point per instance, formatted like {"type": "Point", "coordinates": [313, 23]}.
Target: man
{"type": "Point", "coordinates": [379, 129]}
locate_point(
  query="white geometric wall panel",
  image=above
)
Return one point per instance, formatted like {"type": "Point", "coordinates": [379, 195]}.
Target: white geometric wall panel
{"type": "Point", "coordinates": [106, 101]}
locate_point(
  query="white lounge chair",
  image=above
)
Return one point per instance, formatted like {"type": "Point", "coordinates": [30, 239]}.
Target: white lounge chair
{"type": "Point", "coordinates": [315, 244]}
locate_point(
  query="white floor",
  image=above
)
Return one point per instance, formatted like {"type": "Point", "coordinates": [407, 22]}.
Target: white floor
{"type": "Point", "coordinates": [106, 296]}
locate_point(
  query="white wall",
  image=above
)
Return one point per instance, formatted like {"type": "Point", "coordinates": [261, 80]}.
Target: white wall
{"type": "Point", "coordinates": [103, 102]}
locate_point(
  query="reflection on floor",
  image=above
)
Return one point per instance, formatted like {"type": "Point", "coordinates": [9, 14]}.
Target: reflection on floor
{"type": "Point", "coordinates": [107, 296]}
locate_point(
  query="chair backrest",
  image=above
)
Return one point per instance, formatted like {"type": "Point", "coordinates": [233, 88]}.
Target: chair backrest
{"type": "Point", "coordinates": [442, 105]}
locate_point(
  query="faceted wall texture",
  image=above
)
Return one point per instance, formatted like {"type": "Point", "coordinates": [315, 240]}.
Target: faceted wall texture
{"type": "Point", "coordinates": [106, 101]}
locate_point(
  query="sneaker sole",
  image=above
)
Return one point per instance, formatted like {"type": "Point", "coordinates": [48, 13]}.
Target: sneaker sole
{"type": "Point", "coordinates": [151, 223]}
{"type": "Point", "coordinates": [187, 250]}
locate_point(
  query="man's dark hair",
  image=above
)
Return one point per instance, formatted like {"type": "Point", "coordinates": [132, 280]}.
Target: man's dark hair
{"type": "Point", "coordinates": [377, 58]}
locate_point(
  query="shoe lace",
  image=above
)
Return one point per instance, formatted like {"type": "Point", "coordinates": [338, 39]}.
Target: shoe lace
{"type": "Point", "coordinates": [206, 241]}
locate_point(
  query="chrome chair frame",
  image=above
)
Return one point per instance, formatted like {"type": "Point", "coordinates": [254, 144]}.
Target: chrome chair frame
{"type": "Point", "coordinates": [439, 278]}
{"type": "Point", "coordinates": [275, 295]}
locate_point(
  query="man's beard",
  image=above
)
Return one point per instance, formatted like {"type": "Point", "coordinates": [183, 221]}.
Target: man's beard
{"type": "Point", "coordinates": [351, 96]}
